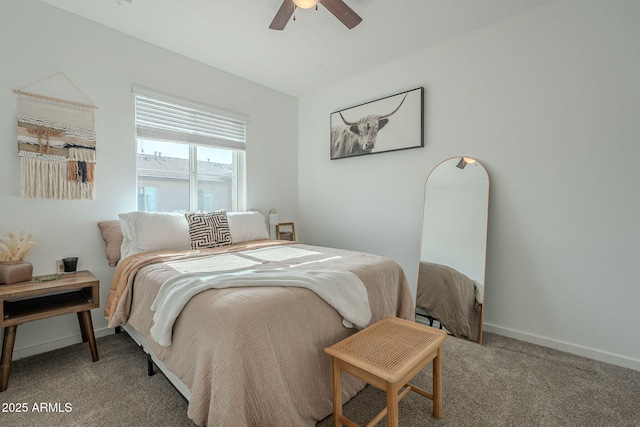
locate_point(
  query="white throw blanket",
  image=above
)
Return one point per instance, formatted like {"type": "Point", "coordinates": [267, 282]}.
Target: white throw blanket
{"type": "Point", "coordinates": [343, 290]}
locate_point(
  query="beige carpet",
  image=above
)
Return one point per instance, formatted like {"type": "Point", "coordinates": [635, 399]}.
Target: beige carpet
{"type": "Point", "coordinates": [502, 383]}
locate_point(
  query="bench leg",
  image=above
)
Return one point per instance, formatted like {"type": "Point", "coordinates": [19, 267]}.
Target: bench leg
{"type": "Point", "coordinates": [437, 385]}
{"type": "Point", "coordinates": [337, 392]}
{"type": "Point", "coordinates": [392, 405]}
{"type": "Point", "coordinates": [7, 354]}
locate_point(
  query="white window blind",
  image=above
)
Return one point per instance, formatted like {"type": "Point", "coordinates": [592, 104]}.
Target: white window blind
{"type": "Point", "coordinates": [165, 118]}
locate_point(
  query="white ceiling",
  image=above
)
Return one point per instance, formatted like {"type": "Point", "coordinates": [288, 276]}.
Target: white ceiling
{"type": "Point", "coordinates": [311, 52]}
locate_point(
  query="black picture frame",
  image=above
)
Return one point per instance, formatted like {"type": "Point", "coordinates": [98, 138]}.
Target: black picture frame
{"type": "Point", "coordinates": [392, 123]}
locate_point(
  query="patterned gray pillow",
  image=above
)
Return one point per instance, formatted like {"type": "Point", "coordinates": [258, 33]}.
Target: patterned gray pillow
{"type": "Point", "coordinates": [208, 229]}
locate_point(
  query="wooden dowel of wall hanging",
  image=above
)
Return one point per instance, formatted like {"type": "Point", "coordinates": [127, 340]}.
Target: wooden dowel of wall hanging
{"type": "Point", "coordinates": [56, 100]}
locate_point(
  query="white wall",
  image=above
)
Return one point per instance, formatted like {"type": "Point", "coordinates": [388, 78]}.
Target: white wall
{"type": "Point", "coordinates": [548, 102]}
{"type": "Point", "coordinates": [37, 40]}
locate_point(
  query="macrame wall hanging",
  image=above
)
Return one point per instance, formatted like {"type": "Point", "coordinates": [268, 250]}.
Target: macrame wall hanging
{"type": "Point", "coordinates": [56, 147]}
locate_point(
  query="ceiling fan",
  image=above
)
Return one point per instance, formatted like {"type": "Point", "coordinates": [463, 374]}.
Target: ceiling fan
{"type": "Point", "coordinates": [339, 8]}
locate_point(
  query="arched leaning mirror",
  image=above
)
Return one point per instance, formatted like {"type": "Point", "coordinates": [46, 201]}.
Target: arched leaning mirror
{"type": "Point", "coordinates": [451, 277]}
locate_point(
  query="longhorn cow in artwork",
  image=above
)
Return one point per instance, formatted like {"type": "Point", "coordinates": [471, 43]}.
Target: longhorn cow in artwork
{"type": "Point", "coordinates": [359, 137]}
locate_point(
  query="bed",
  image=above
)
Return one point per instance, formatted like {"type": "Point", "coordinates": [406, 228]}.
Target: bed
{"type": "Point", "coordinates": [241, 353]}
{"type": "Point", "coordinates": [450, 297]}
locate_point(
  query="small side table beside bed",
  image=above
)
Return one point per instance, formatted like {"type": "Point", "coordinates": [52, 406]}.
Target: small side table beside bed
{"type": "Point", "coordinates": [40, 299]}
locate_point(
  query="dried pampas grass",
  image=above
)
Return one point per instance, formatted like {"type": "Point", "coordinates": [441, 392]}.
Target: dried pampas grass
{"type": "Point", "coordinates": [16, 246]}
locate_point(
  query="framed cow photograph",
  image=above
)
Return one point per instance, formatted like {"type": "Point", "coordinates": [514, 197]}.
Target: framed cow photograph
{"type": "Point", "coordinates": [392, 123]}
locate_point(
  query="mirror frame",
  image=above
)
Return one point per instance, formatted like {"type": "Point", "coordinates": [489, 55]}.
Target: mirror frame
{"type": "Point", "coordinates": [462, 162]}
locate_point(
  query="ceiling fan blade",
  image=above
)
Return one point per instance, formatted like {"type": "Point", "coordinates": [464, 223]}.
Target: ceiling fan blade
{"type": "Point", "coordinates": [344, 13]}
{"type": "Point", "coordinates": [283, 15]}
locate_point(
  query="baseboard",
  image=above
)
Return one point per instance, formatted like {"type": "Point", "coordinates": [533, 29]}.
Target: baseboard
{"type": "Point", "coordinates": [590, 353]}
{"type": "Point", "coordinates": [20, 353]}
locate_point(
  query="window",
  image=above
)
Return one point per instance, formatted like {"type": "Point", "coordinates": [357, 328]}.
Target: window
{"type": "Point", "coordinates": [189, 157]}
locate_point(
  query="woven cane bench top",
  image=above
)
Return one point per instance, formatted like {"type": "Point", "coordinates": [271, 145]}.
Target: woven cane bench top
{"type": "Point", "coordinates": [389, 344]}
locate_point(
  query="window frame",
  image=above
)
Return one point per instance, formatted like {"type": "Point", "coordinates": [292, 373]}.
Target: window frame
{"type": "Point", "coordinates": [225, 130]}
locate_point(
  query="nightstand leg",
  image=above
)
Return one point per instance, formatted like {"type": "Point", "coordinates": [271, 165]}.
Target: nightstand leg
{"type": "Point", "coordinates": [7, 354]}
{"type": "Point", "coordinates": [82, 331]}
{"type": "Point", "coordinates": [86, 326]}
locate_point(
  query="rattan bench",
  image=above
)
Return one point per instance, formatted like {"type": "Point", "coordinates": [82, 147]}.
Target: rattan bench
{"type": "Point", "coordinates": [387, 355]}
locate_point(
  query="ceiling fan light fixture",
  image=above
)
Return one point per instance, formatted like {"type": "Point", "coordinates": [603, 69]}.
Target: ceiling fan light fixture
{"type": "Point", "coordinates": [305, 4]}
{"type": "Point", "coordinates": [338, 8]}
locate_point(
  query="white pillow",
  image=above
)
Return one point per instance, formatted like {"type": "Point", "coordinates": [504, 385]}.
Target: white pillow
{"type": "Point", "coordinates": [247, 226]}
{"type": "Point", "coordinates": [153, 231]}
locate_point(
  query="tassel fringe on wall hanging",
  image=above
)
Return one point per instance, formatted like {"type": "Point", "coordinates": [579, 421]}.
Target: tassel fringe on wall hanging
{"type": "Point", "coordinates": [56, 148]}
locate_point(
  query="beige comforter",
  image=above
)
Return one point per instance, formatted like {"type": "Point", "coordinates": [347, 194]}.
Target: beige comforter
{"type": "Point", "coordinates": [254, 356]}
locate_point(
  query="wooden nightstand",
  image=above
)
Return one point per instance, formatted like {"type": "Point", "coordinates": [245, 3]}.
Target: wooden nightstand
{"type": "Point", "coordinates": [28, 301]}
